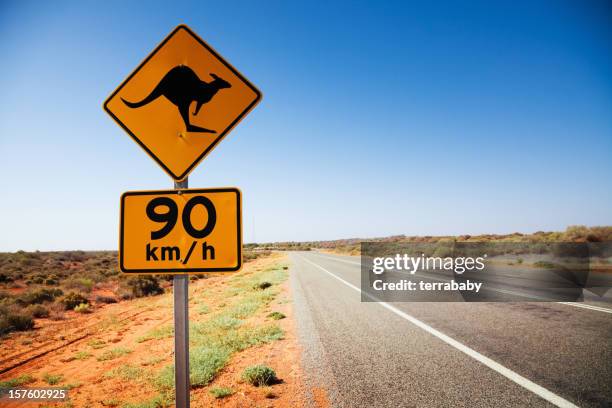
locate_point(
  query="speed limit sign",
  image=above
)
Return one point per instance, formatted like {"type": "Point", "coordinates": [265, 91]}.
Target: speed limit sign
{"type": "Point", "coordinates": [177, 231]}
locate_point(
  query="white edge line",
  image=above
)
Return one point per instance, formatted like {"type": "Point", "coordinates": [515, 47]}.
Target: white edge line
{"type": "Point", "coordinates": [506, 372]}
{"type": "Point", "coordinates": [574, 304]}
{"type": "Point", "coordinates": [585, 306]}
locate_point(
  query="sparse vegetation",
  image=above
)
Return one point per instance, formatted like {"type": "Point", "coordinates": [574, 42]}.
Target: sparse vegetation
{"type": "Point", "coordinates": [72, 300]}
{"type": "Point", "coordinates": [157, 333]}
{"type": "Point", "coordinates": [83, 308]}
{"type": "Point", "coordinates": [38, 311]}
{"type": "Point", "coordinates": [96, 344]}
{"type": "Point", "coordinates": [259, 375]}
{"type": "Point", "coordinates": [113, 353]}
{"type": "Point", "coordinates": [231, 320]}
{"type": "Point", "coordinates": [545, 265]}
{"type": "Point", "coordinates": [214, 340]}
{"type": "Point", "coordinates": [574, 233]}
{"type": "Point", "coordinates": [126, 372]}
{"type": "Point", "coordinates": [221, 392]}
{"type": "Point", "coordinates": [145, 285]}
{"type": "Point", "coordinates": [105, 299]}
{"type": "Point", "coordinates": [14, 319]}
{"type": "Point", "coordinates": [160, 401]}
{"type": "Point", "coordinates": [16, 382]}
{"type": "Point", "coordinates": [262, 285]}
{"type": "Point", "coordinates": [82, 355]}
{"type": "Point", "coordinates": [52, 379]}
{"type": "Point", "coordinates": [276, 316]}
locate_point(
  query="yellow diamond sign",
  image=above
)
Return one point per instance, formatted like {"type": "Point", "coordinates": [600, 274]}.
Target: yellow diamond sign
{"type": "Point", "coordinates": [181, 101]}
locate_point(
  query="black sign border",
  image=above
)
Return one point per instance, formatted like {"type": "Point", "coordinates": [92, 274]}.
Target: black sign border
{"type": "Point", "coordinates": [191, 167]}
{"type": "Point", "coordinates": [174, 271]}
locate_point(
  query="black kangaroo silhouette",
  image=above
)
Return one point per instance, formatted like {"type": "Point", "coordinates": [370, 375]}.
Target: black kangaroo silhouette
{"type": "Point", "coordinates": [181, 86]}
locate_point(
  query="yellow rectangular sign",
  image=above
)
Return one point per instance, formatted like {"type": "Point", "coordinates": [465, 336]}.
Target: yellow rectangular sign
{"type": "Point", "coordinates": [181, 231]}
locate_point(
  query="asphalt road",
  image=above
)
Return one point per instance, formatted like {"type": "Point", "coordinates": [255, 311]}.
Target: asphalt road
{"type": "Point", "coordinates": [367, 354]}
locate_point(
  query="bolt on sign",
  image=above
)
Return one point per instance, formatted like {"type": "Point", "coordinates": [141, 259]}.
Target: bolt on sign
{"type": "Point", "coordinates": [192, 230]}
{"type": "Point", "coordinates": [181, 101]}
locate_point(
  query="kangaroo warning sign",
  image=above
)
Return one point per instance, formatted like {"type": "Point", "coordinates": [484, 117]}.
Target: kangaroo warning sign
{"type": "Point", "coordinates": [178, 231]}
{"type": "Point", "coordinates": [181, 101]}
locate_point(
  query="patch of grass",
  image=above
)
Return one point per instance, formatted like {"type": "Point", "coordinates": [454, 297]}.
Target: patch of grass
{"type": "Point", "coordinates": [73, 385]}
{"type": "Point", "coordinates": [72, 300]}
{"type": "Point", "coordinates": [83, 308]}
{"type": "Point", "coordinates": [204, 364]}
{"type": "Point", "coordinates": [14, 317]}
{"type": "Point", "coordinates": [268, 392]}
{"type": "Point", "coordinates": [144, 285]}
{"type": "Point", "coordinates": [16, 382]}
{"type": "Point", "coordinates": [259, 375]}
{"type": "Point", "coordinates": [221, 392]}
{"type": "Point", "coordinates": [545, 265]}
{"type": "Point", "coordinates": [203, 309]}
{"type": "Point", "coordinates": [152, 361]}
{"type": "Point", "coordinates": [243, 309]}
{"type": "Point", "coordinates": [113, 353]}
{"type": "Point", "coordinates": [38, 311]}
{"type": "Point", "coordinates": [276, 315]}
{"type": "Point", "coordinates": [160, 401]}
{"type": "Point", "coordinates": [213, 341]}
{"type": "Point", "coordinates": [126, 372]}
{"type": "Point", "coordinates": [52, 379]}
{"type": "Point", "coordinates": [105, 299]}
{"type": "Point", "coordinates": [97, 344]}
{"type": "Point", "coordinates": [262, 285]}
{"type": "Point", "coordinates": [157, 333]}
{"type": "Point", "coordinates": [112, 402]}
{"type": "Point", "coordinates": [82, 355]}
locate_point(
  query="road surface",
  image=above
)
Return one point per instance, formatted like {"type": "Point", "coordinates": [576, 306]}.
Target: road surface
{"type": "Point", "coordinates": [368, 354]}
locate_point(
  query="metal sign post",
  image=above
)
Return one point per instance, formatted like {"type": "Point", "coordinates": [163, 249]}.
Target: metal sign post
{"type": "Point", "coordinates": [181, 331]}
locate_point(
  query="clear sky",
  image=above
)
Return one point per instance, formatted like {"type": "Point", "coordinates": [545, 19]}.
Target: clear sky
{"type": "Point", "coordinates": [378, 118]}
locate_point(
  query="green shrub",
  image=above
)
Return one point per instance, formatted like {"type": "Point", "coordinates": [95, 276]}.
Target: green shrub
{"type": "Point", "coordinates": [82, 355]}
{"type": "Point", "coordinates": [53, 379]}
{"type": "Point", "coordinates": [105, 299]}
{"type": "Point", "coordinates": [80, 284]}
{"type": "Point", "coordinates": [113, 353]}
{"type": "Point", "coordinates": [205, 363]}
{"type": "Point", "coordinates": [142, 286]}
{"type": "Point", "coordinates": [276, 315]}
{"type": "Point", "coordinates": [16, 382]}
{"type": "Point", "coordinates": [38, 311]}
{"type": "Point", "coordinates": [96, 344]}
{"type": "Point", "coordinates": [259, 375]}
{"type": "Point", "coordinates": [5, 278]}
{"type": "Point", "coordinates": [38, 296]}
{"type": "Point", "coordinates": [221, 392]}
{"type": "Point", "coordinates": [83, 308]}
{"type": "Point", "coordinates": [262, 285]}
{"type": "Point", "coordinates": [11, 320]}
{"type": "Point", "coordinates": [72, 300]}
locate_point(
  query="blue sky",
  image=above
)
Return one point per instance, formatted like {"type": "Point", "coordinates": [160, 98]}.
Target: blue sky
{"type": "Point", "coordinates": [377, 118]}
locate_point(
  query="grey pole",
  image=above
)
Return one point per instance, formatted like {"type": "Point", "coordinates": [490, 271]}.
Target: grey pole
{"type": "Point", "coordinates": [181, 332]}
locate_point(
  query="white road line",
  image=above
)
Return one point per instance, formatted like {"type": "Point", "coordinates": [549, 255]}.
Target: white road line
{"type": "Point", "coordinates": [574, 304]}
{"type": "Point", "coordinates": [506, 372]}
{"type": "Point", "coordinates": [585, 306]}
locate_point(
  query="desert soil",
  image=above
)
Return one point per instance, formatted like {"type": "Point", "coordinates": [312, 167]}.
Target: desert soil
{"type": "Point", "coordinates": [51, 349]}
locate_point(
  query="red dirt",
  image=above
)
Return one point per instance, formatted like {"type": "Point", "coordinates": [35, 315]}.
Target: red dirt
{"type": "Point", "coordinates": [121, 324]}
